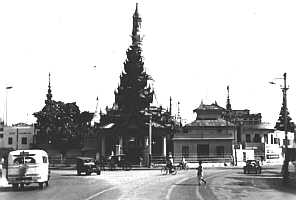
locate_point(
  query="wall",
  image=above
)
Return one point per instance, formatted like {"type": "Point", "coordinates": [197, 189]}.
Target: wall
{"type": "Point", "coordinates": [192, 144]}
{"type": "Point", "coordinates": [17, 133]}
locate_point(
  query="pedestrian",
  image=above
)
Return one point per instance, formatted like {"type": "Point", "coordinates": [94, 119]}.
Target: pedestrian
{"type": "Point", "coordinates": [200, 174]}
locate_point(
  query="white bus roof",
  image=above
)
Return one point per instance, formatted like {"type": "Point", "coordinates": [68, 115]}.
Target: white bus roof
{"type": "Point", "coordinates": [29, 151]}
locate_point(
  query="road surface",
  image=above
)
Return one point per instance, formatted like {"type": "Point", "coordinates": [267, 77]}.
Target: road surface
{"type": "Point", "coordinates": [222, 183]}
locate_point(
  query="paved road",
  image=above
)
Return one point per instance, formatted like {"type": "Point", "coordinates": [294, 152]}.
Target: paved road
{"type": "Point", "coordinates": [224, 183]}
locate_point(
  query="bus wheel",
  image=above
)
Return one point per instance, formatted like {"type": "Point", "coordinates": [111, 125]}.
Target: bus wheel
{"type": "Point", "coordinates": [41, 185]}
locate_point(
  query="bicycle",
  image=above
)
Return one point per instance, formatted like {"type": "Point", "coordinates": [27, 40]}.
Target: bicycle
{"type": "Point", "coordinates": [165, 170]}
{"type": "Point", "coordinates": [182, 166]}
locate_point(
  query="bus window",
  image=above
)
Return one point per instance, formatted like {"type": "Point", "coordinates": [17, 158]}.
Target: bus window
{"type": "Point", "coordinates": [44, 158]}
{"type": "Point", "coordinates": [22, 160]}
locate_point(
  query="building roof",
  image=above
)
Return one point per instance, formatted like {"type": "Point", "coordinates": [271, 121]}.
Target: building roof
{"type": "Point", "coordinates": [213, 106]}
{"type": "Point", "coordinates": [209, 123]}
{"type": "Point", "coordinates": [263, 125]}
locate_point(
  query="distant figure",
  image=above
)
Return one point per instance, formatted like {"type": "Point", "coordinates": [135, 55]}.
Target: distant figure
{"type": "Point", "coordinates": [262, 159]}
{"type": "Point", "coordinates": [183, 163]}
{"type": "Point", "coordinates": [170, 162]}
{"type": "Point", "coordinates": [140, 161]}
{"type": "Point", "coordinates": [200, 174]}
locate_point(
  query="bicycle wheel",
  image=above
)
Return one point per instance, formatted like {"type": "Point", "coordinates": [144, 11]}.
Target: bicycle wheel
{"type": "Point", "coordinates": [174, 172]}
{"type": "Point", "coordinates": [163, 171]}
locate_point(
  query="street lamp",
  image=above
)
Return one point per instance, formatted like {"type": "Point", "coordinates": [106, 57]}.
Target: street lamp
{"type": "Point", "coordinates": [285, 168]}
{"type": "Point", "coordinates": [7, 88]}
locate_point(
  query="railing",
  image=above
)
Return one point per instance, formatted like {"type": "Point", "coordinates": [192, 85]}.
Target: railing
{"type": "Point", "coordinates": [195, 158]}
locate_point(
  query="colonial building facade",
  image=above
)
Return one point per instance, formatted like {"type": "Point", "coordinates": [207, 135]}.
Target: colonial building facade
{"type": "Point", "coordinates": [20, 136]}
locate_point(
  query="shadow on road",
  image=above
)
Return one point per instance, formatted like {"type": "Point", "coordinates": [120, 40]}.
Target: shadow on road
{"type": "Point", "coordinates": [27, 188]}
{"type": "Point", "coordinates": [187, 184]}
{"type": "Point", "coordinates": [269, 179]}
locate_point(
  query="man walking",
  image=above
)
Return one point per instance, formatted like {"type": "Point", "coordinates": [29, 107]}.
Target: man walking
{"type": "Point", "coordinates": [200, 174]}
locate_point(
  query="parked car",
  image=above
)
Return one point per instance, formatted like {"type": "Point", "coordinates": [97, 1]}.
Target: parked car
{"type": "Point", "coordinates": [252, 166]}
{"type": "Point", "coordinates": [87, 165]}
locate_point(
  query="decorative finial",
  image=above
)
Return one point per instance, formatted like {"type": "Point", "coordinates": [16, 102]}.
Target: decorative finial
{"type": "Point", "coordinates": [170, 106]}
{"type": "Point", "coordinates": [228, 105]}
{"type": "Point", "coordinates": [136, 27]}
{"type": "Point", "coordinates": [49, 95]}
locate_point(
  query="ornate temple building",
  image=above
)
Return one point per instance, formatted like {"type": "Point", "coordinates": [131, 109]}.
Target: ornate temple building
{"type": "Point", "coordinates": [124, 128]}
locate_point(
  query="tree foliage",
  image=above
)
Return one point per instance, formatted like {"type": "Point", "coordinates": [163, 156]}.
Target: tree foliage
{"type": "Point", "coordinates": [61, 125]}
{"type": "Point", "coordinates": [280, 124]}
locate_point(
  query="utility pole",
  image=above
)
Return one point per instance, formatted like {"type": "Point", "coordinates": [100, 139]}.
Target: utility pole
{"type": "Point", "coordinates": [150, 140]}
{"type": "Point", "coordinates": [7, 88]}
{"type": "Point", "coordinates": [285, 169]}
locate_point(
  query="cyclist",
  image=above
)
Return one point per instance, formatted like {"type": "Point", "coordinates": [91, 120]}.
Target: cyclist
{"type": "Point", "coordinates": [170, 162]}
{"type": "Point", "coordinates": [183, 163]}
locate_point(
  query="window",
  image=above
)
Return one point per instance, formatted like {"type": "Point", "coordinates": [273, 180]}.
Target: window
{"type": "Point", "coordinates": [203, 149]}
{"type": "Point", "coordinates": [248, 138]}
{"type": "Point", "coordinates": [239, 135]}
{"type": "Point", "coordinates": [44, 158]}
{"type": "Point", "coordinates": [185, 151]}
{"type": "Point", "coordinates": [271, 139]}
{"type": "Point", "coordinates": [1, 135]}
{"type": "Point", "coordinates": [266, 138]}
{"type": "Point", "coordinates": [220, 150]}
{"type": "Point", "coordinates": [23, 160]}
{"type": "Point", "coordinates": [10, 140]}
{"type": "Point", "coordinates": [24, 140]}
{"type": "Point", "coordinates": [244, 156]}
{"type": "Point", "coordinates": [284, 142]}
{"type": "Point", "coordinates": [257, 138]}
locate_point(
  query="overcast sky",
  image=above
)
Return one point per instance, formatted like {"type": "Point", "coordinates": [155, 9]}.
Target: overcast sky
{"type": "Point", "coordinates": [192, 49]}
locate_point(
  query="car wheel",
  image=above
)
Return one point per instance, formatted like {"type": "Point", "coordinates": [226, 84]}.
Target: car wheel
{"type": "Point", "coordinates": [99, 172]}
{"type": "Point", "coordinates": [15, 186]}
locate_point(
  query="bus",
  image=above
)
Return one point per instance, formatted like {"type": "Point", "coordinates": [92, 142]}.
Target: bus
{"type": "Point", "coordinates": [26, 167]}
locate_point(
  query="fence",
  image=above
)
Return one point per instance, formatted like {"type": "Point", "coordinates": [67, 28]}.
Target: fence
{"type": "Point", "coordinates": [195, 158]}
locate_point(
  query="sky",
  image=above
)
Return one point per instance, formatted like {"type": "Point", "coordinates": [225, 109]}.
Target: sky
{"type": "Point", "coordinates": [193, 49]}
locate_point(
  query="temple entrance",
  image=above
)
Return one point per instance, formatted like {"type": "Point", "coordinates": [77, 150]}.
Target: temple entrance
{"type": "Point", "coordinates": [134, 151]}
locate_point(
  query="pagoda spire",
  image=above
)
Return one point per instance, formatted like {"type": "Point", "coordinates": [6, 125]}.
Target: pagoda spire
{"type": "Point", "coordinates": [170, 106]}
{"type": "Point", "coordinates": [134, 93]}
{"type": "Point", "coordinates": [137, 20]}
{"type": "Point", "coordinates": [228, 105]}
{"type": "Point", "coordinates": [48, 95]}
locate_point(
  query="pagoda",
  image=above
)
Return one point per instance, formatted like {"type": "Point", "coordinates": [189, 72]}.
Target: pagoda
{"type": "Point", "coordinates": [124, 128]}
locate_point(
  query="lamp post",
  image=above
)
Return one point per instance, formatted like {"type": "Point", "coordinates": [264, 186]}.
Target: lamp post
{"type": "Point", "coordinates": [7, 88]}
{"type": "Point", "coordinates": [150, 140]}
{"type": "Point", "coordinates": [285, 167]}
{"type": "Point", "coordinates": [286, 161]}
